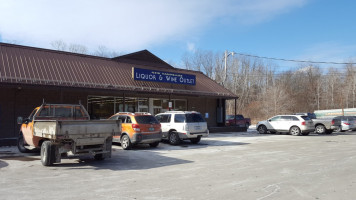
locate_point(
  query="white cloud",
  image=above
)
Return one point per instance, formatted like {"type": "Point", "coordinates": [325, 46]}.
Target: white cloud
{"type": "Point", "coordinates": [125, 25]}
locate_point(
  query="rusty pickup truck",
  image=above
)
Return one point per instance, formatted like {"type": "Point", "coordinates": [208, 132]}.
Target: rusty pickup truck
{"type": "Point", "coordinates": [58, 129]}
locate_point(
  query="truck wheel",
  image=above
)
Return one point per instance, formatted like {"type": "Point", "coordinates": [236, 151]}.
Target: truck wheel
{"type": "Point", "coordinates": [320, 129]}
{"type": "Point", "coordinates": [126, 143]}
{"type": "Point", "coordinates": [21, 144]}
{"type": "Point", "coordinates": [262, 129]}
{"type": "Point", "coordinates": [294, 131]}
{"type": "Point", "coordinates": [155, 144]}
{"type": "Point", "coordinates": [173, 138]}
{"type": "Point", "coordinates": [195, 140]}
{"type": "Point", "coordinates": [247, 125]}
{"type": "Point", "coordinates": [47, 153]}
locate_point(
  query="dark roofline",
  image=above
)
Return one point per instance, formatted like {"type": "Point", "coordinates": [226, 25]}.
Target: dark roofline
{"type": "Point", "coordinates": [129, 57]}
{"type": "Point", "coordinates": [53, 51]}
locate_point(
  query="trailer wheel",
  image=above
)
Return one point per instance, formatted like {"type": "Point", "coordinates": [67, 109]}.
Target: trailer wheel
{"type": "Point", "coordinates": [47, 153]}
{"type": "Point", "coordinates": [21, 144]}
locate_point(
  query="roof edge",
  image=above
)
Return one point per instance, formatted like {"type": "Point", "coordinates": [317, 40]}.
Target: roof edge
{"type": "Point", "coordinates": [52, 51]}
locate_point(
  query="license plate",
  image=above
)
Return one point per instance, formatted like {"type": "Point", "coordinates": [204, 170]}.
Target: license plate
{"type": "Point", "coordinates": [151, 129]}
{"type": "Point", "coordinates": [197, 128]}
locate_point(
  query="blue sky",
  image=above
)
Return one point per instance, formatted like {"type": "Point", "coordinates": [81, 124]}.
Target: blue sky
{"type": "Point", "coordinates": [292, 29]}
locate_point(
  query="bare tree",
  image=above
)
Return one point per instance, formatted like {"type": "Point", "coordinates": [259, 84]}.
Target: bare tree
{"type": "Point", "coordinates": [103, 51]}
{"type": "Point", "coordinates": [59, 45]}
{"type": "Point", "coordinates": [78, 48]}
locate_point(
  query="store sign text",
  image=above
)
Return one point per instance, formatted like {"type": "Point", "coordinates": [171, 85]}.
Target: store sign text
{"type": "Point", "coordinates": [164, 77]}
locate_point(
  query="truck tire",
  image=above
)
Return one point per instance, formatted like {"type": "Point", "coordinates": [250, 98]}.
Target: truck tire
{"type": "Point", "coordinates": [320, 129]}
{"type": "Point", "coordinates": [195, 140]}
{"type": "Point", "coordinates": [173, 138]}
{"type": "Point", "coordinates": [154, 144]}
{"type": "Point", "coordinates": [21, 144]}
{"type": "Point", "coordinates": [247, 124]}
{"type": "Point", "coordinates": [262, 129]}
{"type": "Point", "coordinates": [47, 153]}
{"type": "Point", "coordinates": [294, 130]}
{"type": "Point", "coordinates": [125, 142]}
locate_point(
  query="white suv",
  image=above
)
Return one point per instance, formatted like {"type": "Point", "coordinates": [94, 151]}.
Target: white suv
{"type": "Point", "coordinates": [182, 125]}
{"type": "Point", "coordinates": [294, 124]}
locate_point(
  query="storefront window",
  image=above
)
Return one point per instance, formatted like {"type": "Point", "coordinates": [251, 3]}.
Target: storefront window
{"type": "Point", "coordinates": [180, 105]}
{"type": "Point", "coordinates": [100, 107]}
{"type": "Point", "coordinates": [119, 104]}
{"type": "Point", "coordinates": [165, 104]}
{"type": "Point", "coordinates": [131, 104]}
{"type": "Point", "coordinates": [157, 102]}
{"type": "Point", "coordinates": [142, 104]}
{"type": "Point", "coordinates": [103, 107]}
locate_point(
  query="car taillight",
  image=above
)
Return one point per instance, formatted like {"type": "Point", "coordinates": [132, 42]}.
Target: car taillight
{"type": "Point", "coordinates": [346, 123]}
{"type": "Point", "coordinates": [136, 127]}
{"type": "Point", "coordinates": [332, 122]}
{"type": "Point", "coordinates": [303, 123]}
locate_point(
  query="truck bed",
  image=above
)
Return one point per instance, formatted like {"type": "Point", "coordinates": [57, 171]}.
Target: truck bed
{"type": "Point", "coordinates": [83, 132]}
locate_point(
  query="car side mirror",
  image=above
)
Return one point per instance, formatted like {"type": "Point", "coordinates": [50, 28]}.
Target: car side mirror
{"type": "Point", "coordinates": [19, 120]}
{"type": "Point", "coordinates": [269, 120]}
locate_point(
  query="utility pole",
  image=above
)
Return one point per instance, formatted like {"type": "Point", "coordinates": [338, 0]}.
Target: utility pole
{"type": "Point", "coordinates": [225, 66]}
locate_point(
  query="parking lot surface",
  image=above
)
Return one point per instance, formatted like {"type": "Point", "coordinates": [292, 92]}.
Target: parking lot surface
{"type": "Point", "coordinates": [223, 166]}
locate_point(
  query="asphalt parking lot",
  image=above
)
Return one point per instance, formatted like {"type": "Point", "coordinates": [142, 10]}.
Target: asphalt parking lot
{"type": "Point", "coordinates": [224, 166]}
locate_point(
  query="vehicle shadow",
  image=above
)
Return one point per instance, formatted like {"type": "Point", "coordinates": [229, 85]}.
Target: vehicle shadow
{"type": "Point", "coordinates": [15, 155]}
{"type": "Point", "coordinates": [122, 160]}
{"type": "Point", "coordinates": [3, 164]}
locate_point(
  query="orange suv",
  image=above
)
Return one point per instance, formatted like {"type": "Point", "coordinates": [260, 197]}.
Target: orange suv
{"type": "Point", "coordinates": [138, 128]}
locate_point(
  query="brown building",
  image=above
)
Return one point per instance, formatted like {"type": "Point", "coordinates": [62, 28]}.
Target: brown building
{"type": "Point", "coordinates": [137, 82]}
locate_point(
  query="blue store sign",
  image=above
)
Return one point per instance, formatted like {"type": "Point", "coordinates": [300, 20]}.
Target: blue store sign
{"type": "Point", "coordinates": [164, 77]}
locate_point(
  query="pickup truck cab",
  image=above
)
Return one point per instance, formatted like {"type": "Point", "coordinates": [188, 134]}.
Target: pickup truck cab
{"type": "Point", "coordinates": [65, 128]}
{"type": "Point", "coordinates": [237, 120]}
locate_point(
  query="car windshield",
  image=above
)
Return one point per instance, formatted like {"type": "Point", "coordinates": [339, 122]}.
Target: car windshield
{"type": "Point", "coordinates": [146, 119]}
{"type": "Point", "coordinates": [230, 117]}
{"type": "Point", "coordinates": [194, 117]}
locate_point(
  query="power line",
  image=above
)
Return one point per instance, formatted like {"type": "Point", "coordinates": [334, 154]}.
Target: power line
{"type": "Point", "coordinates": [299, 61]}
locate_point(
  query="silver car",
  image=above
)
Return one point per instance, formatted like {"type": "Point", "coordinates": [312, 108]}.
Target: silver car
{"type": "Point", "coordinates": [344, 123]}
{"type": "Point", "coordinates": [293, 124]}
